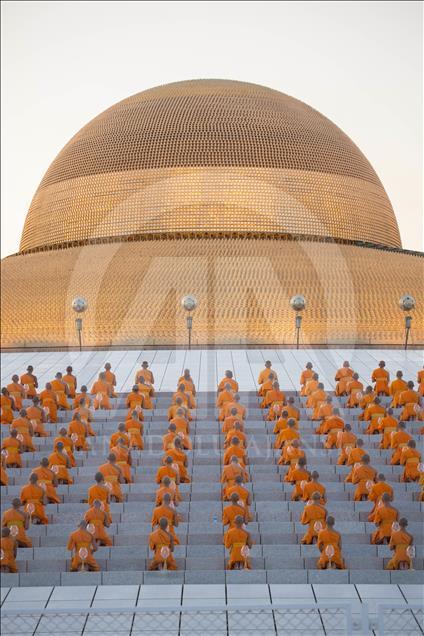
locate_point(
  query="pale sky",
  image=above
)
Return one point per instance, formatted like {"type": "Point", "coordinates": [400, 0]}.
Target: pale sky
{"type": "Point", "coordinates": [358, 63]}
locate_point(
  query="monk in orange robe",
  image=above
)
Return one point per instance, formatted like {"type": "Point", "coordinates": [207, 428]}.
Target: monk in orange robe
{"type": "Point", "coordinates": [171, 435]}
{"type": "Point", "coordinates": [396, 387]}
{"type": "Point", "coordinates": [325, 410]}
{"type": "Point", "coordinates": [315, 400]}
{"type": "Point", "coordinates": [264, 374]}
{"type": "Point", "coordinates": [161, 542]}
{"type": "Point", "coordinates": [398, 441]}
{"type": "Point", "coordinates": [33, 497]}
{"type": "Point", "coordinates": [37, 417]}
{"type": "Point", "coordinates": [354, 390]}
{"type": "Point", "coordinates": [329, 543]}
{"type": "Point", "coordinates": [233, 510]}
{"type": "Point", "coordinates": [299, 475]}
{"type": "Point", "coordinates": [236, 432]}
{"type": "Point", "coordinates": [113, 477]}
{"type": "Point", "coordinates": [314, 516]}
{"type": "Point", "coordinates": [384, 517]}
{"type": "Point", "coordinates": [60, 464]}
{"type": "Point", "coordinates": [182, 424]}
{"type": "Point", "coordinates": [179, 404]}
{"type": "Point", "coordinates": [333, 426]}
{"type": "Point", "coordinates": [410, 400]}
{"type": "Point", "coordinates": [120, 434]}
{"type": "Point", "coordinates": [84, 396]}
{"type": "Point", "coordinates": [188, 399]}
{"type": "Point", "coordinates": [11, 449]}
{"type": "Point", "coordinates": [61, 389]}
{"type": "Point", "coordinates": [135, 430]}
{"type": "Point", "coordinates": [230, 420]}
{"type": "Point", "coordinates": [25, 431]}
{"type": "Point", "coordinates": [166, 487]}
{"type": "Point", "coordinates": [17, 521]}
{"type": "Point", "coordinates": [166, 511]}
{"type": "Point", "coordinates": [101, 389]}
{"type": "Point", "coordinates": [4, 478]}
{"type": "Point", "coordinates": [273, 396]}
{"type": "Point", "coordinates": [229, 406]}
{"type": "Point", "coordinates": [245, 498]}
{"type": "Point", "coordinates": [345, 440]}
{"type": "Point", "coordinates": [291, 453]}
{"type": "Point", "coordinates": [381, 377]}
{"type": "Point", "coordinates": [267, 385]}
{"type": "Point", "coordinates": [135, 400]}
{"type": "Point", "coordinates": [48, 401]}
{"type": "Point", "coordinates": [377, 491]}
{"type": "Point", "coordinates": [235, 449]}
{"type": "Point", "coordinates": [123, 460]}
{"type": "Point", "coordinates": [180, 458]}
{"type": "Point", "coordinates": [187, 380]}
{"type": "Point", "coordinates": [169, 469]}
{"type": "Point", "coordinates": [225, 396]}
{"type": "Point", "coordinates": [354, 456]}
{"type": "Point", "coordinates": [8, 550]}
{"type": "Point", "coordinates": [102, 493]}
{"type": "Point", "coordinates": [7, 406]}
{"type": "Point", "coordinates": [311, 385]}
{"type": "Point", "coordinates": [29, 382]}
{"type": "Point", "coordinates": [400, 541]}
{"type": "Point", "coordinates": [361, 477]}
{"type": "Point", "coordinates": [306, 375]}
{"type": "Point", "coordinates": [410, 458]}
{"type": "Point", "coordinates": [71, 381]}
{"type": "Point", "coordinates": [82, 545]}
{"type": "Point", "coordinates": [231, 471]}
{"type": "Point", "coordinates": [47, 479]}
{"type": "Point", "coordinates": [110, 379]}
{"type": "Point", "coordinates": [287, 434]}
{"type": "Point", "coordinates": [282, 423]}
{"type": "Point", "coordinates": [373, 414]}
{"type": "Point", "coordinates": [236, 540]}
{"type": "Point", "coordinates": [314, 486]}
{"type": "Point", "coordinates": [367, 397]}
{"type": "Point", "coordinates": [342, 377]}
{"type": "Point", "coordinates": [420, 380]}
{"type": "Point", "coordinates": [68, 445]}
{"type": "Point", "coordinates": [97, 522]}
{"type": "Point", "coordinates": [388, 425]}
{"type": "Point", "coordinates": [292, 410]}
{"type": "Point", "coordinates": [148, 392]}
{"type": "Point", "coordinates": [77, 431]}
{"type": "Point", "coordinates": [145, 373]}
{"type": "Point", "coordinates": [16, 391]}
{"type": "Point", "coordinates": [228, 379]}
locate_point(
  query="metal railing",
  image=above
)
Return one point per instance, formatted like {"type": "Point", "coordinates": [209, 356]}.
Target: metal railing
{"type": "Point", "coordinates": [396, 618]}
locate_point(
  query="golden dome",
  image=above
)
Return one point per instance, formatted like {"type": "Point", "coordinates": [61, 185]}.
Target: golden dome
{"type": "Point", "coordinates": [208, 157]}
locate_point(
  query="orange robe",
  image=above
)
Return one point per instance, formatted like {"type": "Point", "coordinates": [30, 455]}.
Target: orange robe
{"type": "Point", "coordinates": [232, 450]}
{"type": "Point", "coordinates": [68, 448]}
{"type": "Point", "coordinates": [285, 435]}
{"type": "Point", "coordinates": [162, 491]}
{"type": "Point", "coordinates": [6, 404]}
{"type": "Point", "coordinates": [230, 513]}
{"type": "Point", "coordinates": [381, 378]}
{"type": "Point", "coordinates": [331, 538]}
{"type": "Point", "coordinates": [122, 457]}
{"type": "Point", "coordinates": [49, 403]}
{"type": "Point", "coordinates": [118, 436]}
{"type": "Point", "coordinates": [234, 540]}
{"type": "Point", "coordinates": [384, 517]}
{"type": "Point", "coordinates": [4, 478]}
{"type": "Point", "coordinates": [375, 495]}
{"type": "Point", "coordinates": [22, 425]}
{"type": "Point", "coordinates": [332, 427]}
{"type": "Point", "coordinates": [60, 388]}
{"type": "Point", "coordinates": [266, 386]}
{"type": "Point", "coordinates": [354, 388]}
{"type": "Point", "coordinates": [12, 447]}
{"type": "Point", "coordinates": [135, 431]}
{"type": "Point", "coordinates": [310, 488]}
{"type": "Point", "coordinates": [45, 477]}
{"type": "Point", "coordinates": [161, 539]}
{"type": "Point", "coordinates": [163, 511]}
{"type": "Point", "coordinates": [229, 422]}
{"type": "Point", "coordinates": [235, 433]}
{"type": "Point", "coordinates": [98, 518]}
{"type": "Point", "coordinates": [223, 398]}
{"type": "Point", "coordinates": [15, 520]}
{"type": "Point", "coordinates": [111, 475]}
{"type": "Point", "coordinates": [71, 383]}
{"type": "Point", "coordinates": [410, 458]}
{"type": "Point", "coordinates": [397, 387]}
{"type": "Point", "coordinates": [35, 416]}
{"type": "Point", "coordinates": [312, 513]}
{"type": "Point", "coordinates": [172, 412]}
{"type": "Point", "coordinates": [345, 440]}
{"type": "Point", "coordinates": [343, 376]}
{"type": "Point", "coordinates": [315, 400]}
{"type": "Point", "coordinates": [146, 374]}
{"type": "Point", "coordinates": [272, 397]}
{"type": "Point", "coordinates": [227, 408]}
{"type": "Point", "coordinates": [16, 391]}
{"type": "Point", "coordinates": [290, 455]}
{"type": "Point", "coordinates": [387, 426]}
{"type": "Point", "coordinates": [77, 431]}
{"type": "Point", "coordinates": [264, 375]}
{"type": "Point", "coordinates": [373, 414]}
{"type": "Point", "coordinates": [77, 399]}
{"type": "Point", "coordinates": [187, 398]}
{"type": "Point", "coordinates": [81, 539]}
{"type": "Point", "coordinates": [102, 494]}
{"type": "Point", "coordinates": [230, 472]}
{"type": "Point", "coordinates": [354, 456]}
{"type": "Point", "coordinates": [398, 441]}
{"type": "Point", "coordinates": [111, 382]}
{"type": "Point", "coordinates": [304, 377]}
{"type": "Point", "coordinates": [29, 382]}
{"type": "Point", "coordinates": [297, 476]}
{"type": "Point", "coordinates": [7, 547]}
{"type": "Point", "coordinates": [399, 542]}
{"type": "Point", "coordinates": [33, 494]}
{"type": "Point", "coordinates": [243, 494]}
{"type": "Point", "coordinates": [361, 476]}
{"type": "Point", "coordinates": [221, 386]}
{"type": "Point", "coordinates": [168, 440]}
{"type": "Point", "coordinates": [134, 401]}
{"type": "Point", "coordinates": [420, 380]}
{"type": "Point", "coordinates": [409, 399]}
{"type": "Point", "coordinates": [101, 391]}
{"type": "Point", "coordinates": [180, 459]}
{"type": "Point", "coordinates": [147, 392]}
{"type": "Point", "coordinates": [58, 464]}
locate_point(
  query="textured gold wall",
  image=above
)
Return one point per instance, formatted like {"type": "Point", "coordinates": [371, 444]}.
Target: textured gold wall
{"type": "Point", "coordinates": [210, 155]}
{"type": "Point", "coordinates": [243, 286]}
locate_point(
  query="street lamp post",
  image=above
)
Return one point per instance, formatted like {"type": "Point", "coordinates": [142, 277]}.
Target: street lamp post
{"type": "Point", "coordinates": [79, 305]}
{"type": "Point", "coordinates": [298, 304]}
{"type": "Point", "coordinates": [407, 304]}
{"type": "Point", "coordinates": [189, 303]}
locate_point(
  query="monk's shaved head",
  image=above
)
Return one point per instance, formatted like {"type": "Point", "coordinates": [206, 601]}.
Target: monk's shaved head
{"type": "Point", "coordinates": [163, 523]}
{"type": "Point", "coordinates": [99, 477]}
{"type": "Point", "coordinates": [234, 497]}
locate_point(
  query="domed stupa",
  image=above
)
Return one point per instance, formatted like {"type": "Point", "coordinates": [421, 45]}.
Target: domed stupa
{"type": "Point", "coordinates": [232, 192]}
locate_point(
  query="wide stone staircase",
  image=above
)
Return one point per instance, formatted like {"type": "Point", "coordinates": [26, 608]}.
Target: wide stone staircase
{"type": "Point", "coordinates": [277, 556]}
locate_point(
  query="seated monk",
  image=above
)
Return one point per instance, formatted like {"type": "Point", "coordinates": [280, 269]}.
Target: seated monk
{"type": "Point", "coordinates": [287, 434]}
{"type": "Point", "coordinates": [180, 458]}
{"type": "Point", "coordinates": [381, 377]}
{"type": "Point", "coordinates": [307, 374]}
{"type": "Point", "coordinates": [398, 441]}
{"type": "Point", "coordinates": [135, 400]}
{"type": "Point", "coordinates": [410, 458]}
{"type": "Point", "coordinates": [98, 519]}
{"type": "Point", "coordinates": [329, 543]}
{"type": "Point", "coordinates": [267, 386]}
{"type": "Point", "coordinates": [187, 380]}
{"type": "Point", "coordinates": [11, 449]}
{"type": "Point", "coordinates": [7, 406]}
{"type": "Point", "coordinates": [245, 498]}
{"type": "Point", "coordinates": [169, 469]}
{"type": "Point", "coordinates": [224, 396]}
{"type": "Point", "coordinates": [373, 414]}
{"type": "Point", "coordinates": [290, 454]}
{"type": "Point", "coordinates": [333, 426]}
{"type": "Point", "coordinates": [311, 385]}
{"type": "Point", "coordinates": [4, 478]}
{"type": "Point", "coordinates": [166, 511]}
{"type": "Point", "coordinates": [37, 417]}
{"type": "Point", "coordinates": [377, 491]}
{"type": "Point", "coordinates": [236, 432]}
{"type": "Point", "coordinates": [236, 540]}
{"type": "Point", "coordinates": [314, 486]}
{"type": "Point", "coordinates": [367, 397]}
{"type": "Point", "coordinates": [179, 404]}
{"type": "Point", "coordinates": [354, 390]}
{"type": "Point", "coordinates": [47, 479]}
{"type": "Point", "coordinates": [77, 431]}
{"type": "Point", "coordinates": [363, 476]}
{"type": "Point", "coordinates": [148, 392]}
{"type": "Point", "coordinates": [16, 391]}
{"type": "Point", "coordinates": [60, 464]}
{"type": "Point", "coordinates": [324, 411]}
{"type": "Point", "coordinates": [102, 392]}
{"type": "Point", "coordinates": [231, 471]}
{"type": "Point", "coordinates": [235, 449]}
{"type": "Point", "coordinates": [110, 379]}
{"type": "Point", "coordinates": [101, 492]}
{"type": "Point", "coordinates": [17, 521]}
{"type": "Point", "coordinates": [314, 516]}
{"type": "Point", "coordinates": [388, 425]}
{"type": "Point", "coordinates": [400, 541]}
{"type": "Point", "coordinates": [113, 477]}
{"type": "Point", "coordinates": [384, 517]}
{"type": "Point", "coordinates": [420, 381]}
{"type": "Point", "coordinates": [315, 400]}
{"type": "Point", "coordinates": [71, 381]}
{"type": "Point", "coordinates": [345, 440]}
{"type": "Point", "coordinates": [354, 456]}
{"type": "Point", "coordinates": [396, 387]}
{"type": "Point", "coordinates": [166, 487]}
{"type": "Point", "coordinates": [84, 396]}
{"type": "Point", "coordinates": [281, 422]}
{"type": "Point", "coordinates": [182, 423]}
{"type": "Point", "coordinates": [229, 406]}
{"type": "Point", "coordinates": [33, 497]}
{"type": "Point", "coordinates": [8, 549]}
{"type": "Point", "coordinates": [144, 373]}
{"type": "Point", "coordinates": [273, 396]}
{"type": "Point", "coordinates": [264, 374]}
{"type": "Point", "coordinates": [233, 510]}
{"type": "Point", "coordinates": [182, 429]}
{"type": "Point", "coordinates": [228, 379]}
{"type": "Point", "coordinates": [48, 401]}
{"type": "Point", "coordinates": [410, 400]}
{"type": "Point", "coordinates": [299, 475]}
{"type": "Point", "coordinates": [342, 378]}
{"type": "Point", "coordinates": [82, 545]}
{"type": "Point", "coordinates": [135, 430]}
{"type": "Point", "coordinates": [169, 438]}
{"type": "Point", "coordinates": [29, 382]}
{"type": "Point", "coordinates": [68, 445]}
{"type": "Point", "coordinates": [61, 390]}
{"type": "Point", "coordinates": [230, 420]}
{"type": "Point", "coordinates": [120, 434]}
{"type": "Point", "coordinates": [86, 415]}
{"type": "Point", "coordinates": [123, 460]}
{"type": "Point", "coordinates": [188, 399]}
{"type": "Point", "coordinates": [291, 409]}
{"type": "Point", "coordinates": [25, 431]}
{"type": "Point", "coordinates": [161, 542]}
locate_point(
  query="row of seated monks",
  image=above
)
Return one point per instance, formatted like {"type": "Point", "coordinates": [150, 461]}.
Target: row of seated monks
{"type": "Point", "coordinates": [92, 531]}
